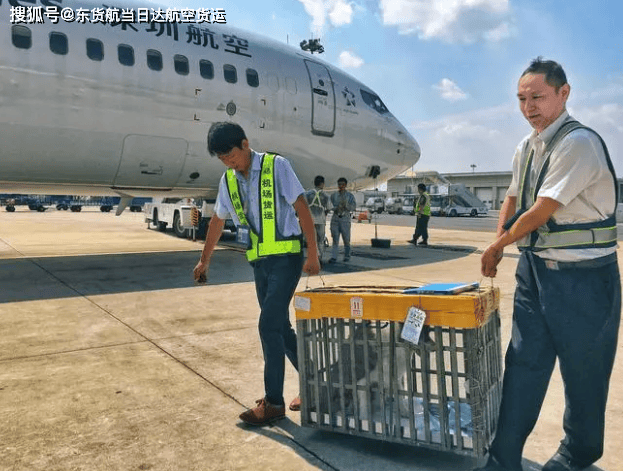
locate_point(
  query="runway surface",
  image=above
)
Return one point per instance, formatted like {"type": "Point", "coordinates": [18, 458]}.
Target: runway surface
{"type": "Point", "coordinates": [111, 358]}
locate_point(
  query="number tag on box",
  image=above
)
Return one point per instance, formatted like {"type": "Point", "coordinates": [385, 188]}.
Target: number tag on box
{"type": "Point", "coordinates": [243, 237]}
{"type": "Point", "coordinates": [413, 325]}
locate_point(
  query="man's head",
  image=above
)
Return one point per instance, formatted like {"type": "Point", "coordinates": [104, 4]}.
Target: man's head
{"type": "Point", "coordinates": [341, 183]}
{"type": "Point", "coordinates": [421, 188]}
{"type": "Point", "coordinates": [229, 143]}
{"type": "Point", "coordinates": [543, 92]}
{"type": "Point", "coordinates": [319, 181]}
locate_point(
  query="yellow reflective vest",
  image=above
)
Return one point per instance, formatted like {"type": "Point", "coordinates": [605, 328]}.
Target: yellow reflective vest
{"type": "Point", "coordinates": [418, 204]}
{"type": "Point", "coordinates": [268, 241]}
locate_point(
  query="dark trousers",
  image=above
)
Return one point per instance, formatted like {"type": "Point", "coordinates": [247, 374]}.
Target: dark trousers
{"type": "Point", "coordinates": [421, 228]}
{"type": "Point", "coordinates": [572, 314]}
{"type": "Point", "coordinates": [276, 278]}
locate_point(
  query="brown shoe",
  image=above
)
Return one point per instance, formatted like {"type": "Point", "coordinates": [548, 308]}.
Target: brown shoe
{"type": "Point", "coordinates": [263, 414]}
{"type": "Point", "coordinates": [295, 405]}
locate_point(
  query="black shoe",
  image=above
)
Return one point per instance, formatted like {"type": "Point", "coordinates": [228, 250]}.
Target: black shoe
{"type": "Point", "coordinates": [412, 241]}
{"type": "Point", "coordinates": [332, 260]}
{"type": "Point", "coordinates": [561, 462]}
{"type": "Point", "coordinates": [423, 243]}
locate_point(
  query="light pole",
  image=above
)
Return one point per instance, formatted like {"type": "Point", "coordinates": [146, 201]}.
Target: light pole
{"type": "Point", "coordinates": [473, 166]}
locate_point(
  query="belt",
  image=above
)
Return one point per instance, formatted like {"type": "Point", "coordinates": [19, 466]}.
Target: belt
{"type": "Point", "coordinates": [592, 263]}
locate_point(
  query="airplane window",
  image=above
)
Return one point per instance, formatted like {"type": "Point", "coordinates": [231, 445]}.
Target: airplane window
{"type": "Point", "coordinates": [230, 74]}
{"type": "Point", "coordinates": [181, 64]}
{"type": "Point", "coordinates": [154, 60]}
{"type": "Point", "coordinates": [125, 54]}
{"type": "Point", "coordinates": [206, 69]}
{"type": "Point", "coordinates": [58, 43]}
{"type": "Point", "coordinates": [374, 101]}
{"type": "Point", "coordinates": [21, 37]}
{"type": "Point", "coordinates": [253, 78]}
{"type": "Point", "coordinates": [95, 49]}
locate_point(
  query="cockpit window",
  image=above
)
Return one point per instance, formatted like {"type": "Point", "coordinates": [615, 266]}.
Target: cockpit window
{"type": "Point", "coordinates": [374, 102]}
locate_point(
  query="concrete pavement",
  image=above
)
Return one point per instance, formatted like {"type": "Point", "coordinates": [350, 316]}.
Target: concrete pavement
{"type": "Point", "coordinates": [111, 358]}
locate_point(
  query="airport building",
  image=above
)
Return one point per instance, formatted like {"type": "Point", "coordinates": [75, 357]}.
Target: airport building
{"type": "Point", "coordinates": [489, 187]}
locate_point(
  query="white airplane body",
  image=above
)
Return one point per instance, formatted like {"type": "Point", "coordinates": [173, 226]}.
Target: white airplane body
{"type": "Point", "coordinates": [85, 110]}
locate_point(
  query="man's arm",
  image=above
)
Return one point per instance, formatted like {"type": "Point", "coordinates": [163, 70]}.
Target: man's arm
{"type": "Point", "coordinates": [312, 265]}
{"type": "Point", "coordinates": [215, 230]}
{"type": "Point", "coordinates": [506, 212]}
{"type": "Point", "coordinates": [352, 202]}
{"type": "Point", "coordinates": [528, 222]}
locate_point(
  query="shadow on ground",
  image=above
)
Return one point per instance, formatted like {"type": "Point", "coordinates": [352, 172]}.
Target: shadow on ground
{"type": "Point", "coordinates": [339, 452]}
{"type": "Point", "coordinates": [28, 279]}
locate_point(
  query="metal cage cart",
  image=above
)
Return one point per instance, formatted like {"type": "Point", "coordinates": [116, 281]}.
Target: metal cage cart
{"type": "Point", "coordinates": [358, 375]}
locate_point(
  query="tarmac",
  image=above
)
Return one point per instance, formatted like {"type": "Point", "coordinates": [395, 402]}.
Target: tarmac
{"type": "Point", "coordinates": [111, 358]}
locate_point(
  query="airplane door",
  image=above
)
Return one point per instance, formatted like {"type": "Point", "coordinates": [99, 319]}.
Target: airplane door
{"type": "Point", "coordinates": [151, 161]}
{"type": "Point", "coordinates": [323, 99]}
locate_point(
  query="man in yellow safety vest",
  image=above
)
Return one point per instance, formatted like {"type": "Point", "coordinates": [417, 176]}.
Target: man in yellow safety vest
{"type": "Point", "coordinates": [263, 196]}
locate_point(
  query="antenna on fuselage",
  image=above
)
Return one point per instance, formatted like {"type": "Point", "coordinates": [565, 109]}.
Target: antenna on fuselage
{"type": "Point", "coordinates": [312, 45]}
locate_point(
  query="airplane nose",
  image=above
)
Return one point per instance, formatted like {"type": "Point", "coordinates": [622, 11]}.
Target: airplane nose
{"type": "Point", "coordinates": [410, 149]}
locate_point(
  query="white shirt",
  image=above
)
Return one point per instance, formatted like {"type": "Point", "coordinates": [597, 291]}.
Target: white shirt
{"type": "Point", "coordinates": [287, 189]}
{"type": "Point", "coordinates": [577, 177]}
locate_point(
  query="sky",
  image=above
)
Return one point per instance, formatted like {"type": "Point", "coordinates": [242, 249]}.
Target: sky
{"type": "Point", "coordinates": [448, 69]}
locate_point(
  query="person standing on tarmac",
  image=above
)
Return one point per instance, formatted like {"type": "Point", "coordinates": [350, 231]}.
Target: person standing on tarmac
{"type": "Point", "coordinates": [263, 196]}
{"type": "Point", "coordinates": [422, 214]}
{"type": "Point", "coordinates": [318, 202]}
{"type": "Point", "coordinates": [343, 202]}
{"type": "Point", "coordinates": [567, 303]}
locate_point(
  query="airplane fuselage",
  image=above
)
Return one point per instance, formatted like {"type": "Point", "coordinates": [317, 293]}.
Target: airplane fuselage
{"type": "Point", "coordinates": [124, 109]}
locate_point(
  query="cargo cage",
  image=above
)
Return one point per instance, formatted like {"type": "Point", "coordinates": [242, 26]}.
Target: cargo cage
{"type": "Point", "coordinates": [359, 377]}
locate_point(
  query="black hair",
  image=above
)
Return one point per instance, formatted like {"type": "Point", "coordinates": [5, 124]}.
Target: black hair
{"type": "Point", "coordinates": [342, 179]}
{"type": "Point", "coordinates": [421, 186]}
{"type": "Point", "coordinates": [318, 180]}
{"type": "Point", "coordinates": [223, 136]}
{"type": "Point", "coordinates": [554, 74]}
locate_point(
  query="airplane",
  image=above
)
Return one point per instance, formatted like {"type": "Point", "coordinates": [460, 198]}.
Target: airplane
{"type": "Point", "coordinates": [123, 107]}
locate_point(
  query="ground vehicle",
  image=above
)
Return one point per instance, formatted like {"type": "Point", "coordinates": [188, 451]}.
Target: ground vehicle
{"type": "Point", "coordinates": [176, 213]}
{"type": "Point", "coordinates": [375, 204]}
{"type": "Point", "coordinates": [172, 212]}
{"type": "Point", "coordinates": [408, 205]}
{"type": "Point", "coordinates": [455, 200]}
{"type": "Point", "coordinates": [10, 205]}
{"type": "Point", "coordinates": [393, 205]}
{"type": "Point", "coordinates": [36, 205]}
{"type": "Point", "coordinates": [65, 205]}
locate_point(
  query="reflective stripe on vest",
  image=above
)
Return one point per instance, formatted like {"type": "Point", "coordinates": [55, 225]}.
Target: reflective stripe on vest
{"type": "Point", "coordinates": [316, 200]}
{"type": "Point", "coordinates": [267, 241]}
{"type": "Point", "coordinates": [597, 234]}
{"type": "Point", "coordinates": [426, 211]}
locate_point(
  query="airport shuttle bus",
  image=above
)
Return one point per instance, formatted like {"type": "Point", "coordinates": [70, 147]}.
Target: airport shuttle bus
{"type": "Point", "coordinates": [114, 104]}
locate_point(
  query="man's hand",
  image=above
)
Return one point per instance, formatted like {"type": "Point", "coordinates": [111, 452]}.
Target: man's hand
{"type": "Point", "coordinates": [490, 260]}
{"type": "Point", "coordinates": [311, 266]}
{"type": "Point", "coordinates": [200, 272]}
